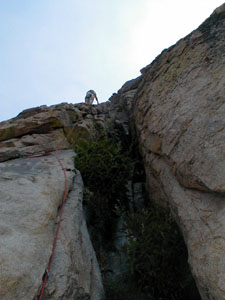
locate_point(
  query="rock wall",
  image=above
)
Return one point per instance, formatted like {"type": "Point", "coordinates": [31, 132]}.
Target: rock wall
{"type": "Point", "coordinates": [180, 121]}
{"type": "Point", "coordinates": [31, 193]}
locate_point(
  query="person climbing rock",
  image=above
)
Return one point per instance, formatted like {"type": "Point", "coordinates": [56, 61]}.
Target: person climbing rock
{"type": "Point", "coordinates": [90, 97]}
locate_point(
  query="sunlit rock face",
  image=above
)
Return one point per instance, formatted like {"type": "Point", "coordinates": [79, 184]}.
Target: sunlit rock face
{"type": "Point", "coordinates": [180, 121]}
{"type": "Point", "coordinates": [32, 189]}
{"type": "Point", "coordinates": [44, 129]}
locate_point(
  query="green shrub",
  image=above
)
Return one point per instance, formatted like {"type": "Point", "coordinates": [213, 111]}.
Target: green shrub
{"type": "Point", "coordinates": [105, 171]}
{"type": "Point", "coordinates": [156, 253]}
{"type": "Point", "coordinates": [120, 290]}
{"type": "Point", "coordinates": [103, 166]}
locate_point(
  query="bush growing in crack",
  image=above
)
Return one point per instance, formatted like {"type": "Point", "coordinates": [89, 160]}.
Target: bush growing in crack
{"type": "Point", "coordinates": [105, 170]}
{"type": "Point", "coordinates": [157, 254]}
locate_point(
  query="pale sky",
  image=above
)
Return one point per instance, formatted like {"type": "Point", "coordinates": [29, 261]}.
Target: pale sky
{"type": "Point", "coordinates": [54, 51]}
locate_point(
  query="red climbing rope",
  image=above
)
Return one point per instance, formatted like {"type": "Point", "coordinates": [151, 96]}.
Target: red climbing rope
{"type": "Point", "coordinates": [58, 227]}
{"type": "Point", "coordinates": [61, 212]}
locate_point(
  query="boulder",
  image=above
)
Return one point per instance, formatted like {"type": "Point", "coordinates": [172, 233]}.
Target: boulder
{"type": "Point", "coordinates": [180, 122]}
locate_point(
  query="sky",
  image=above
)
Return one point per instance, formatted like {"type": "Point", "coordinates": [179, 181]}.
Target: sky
{"type": "Point", "coordinates": [54, 51]}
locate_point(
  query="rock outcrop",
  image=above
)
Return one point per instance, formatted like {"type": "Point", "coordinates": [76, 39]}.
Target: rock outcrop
{"type": "Point", "coordinates": [45, 129]}
{"type": "Point", "coordinates": [180, 122]}
{"type": "Point", "coordinates": [31, 193]}
{"type": "Point", "coordinates": [175, 112]}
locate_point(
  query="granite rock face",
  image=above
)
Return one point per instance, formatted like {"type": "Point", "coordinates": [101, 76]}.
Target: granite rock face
{"type": "Point", "coordinates": [31, 193]}
{"type": "Point", "coordinates": [45, 129]}
{"type": "Point", "coordinates": [180, 121]}
{"type": "Point", "coordinates": [75, 272]}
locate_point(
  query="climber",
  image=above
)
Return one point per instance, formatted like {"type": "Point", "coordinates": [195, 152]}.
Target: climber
{"type": "Point", "coordinates": [90, 97]}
